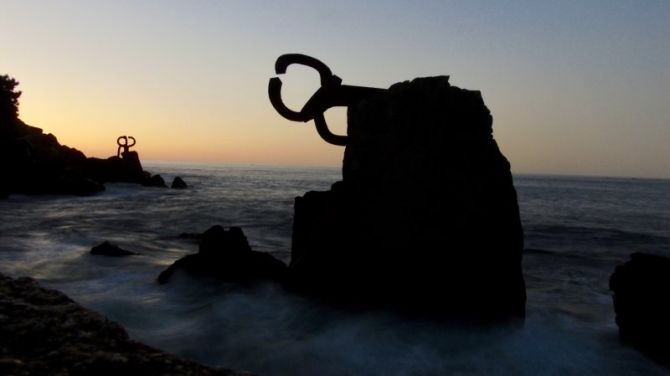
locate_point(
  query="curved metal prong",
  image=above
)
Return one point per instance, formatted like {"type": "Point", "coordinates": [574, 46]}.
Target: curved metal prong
{"type": "Point", "coordinates": [274, 91]}
{"type": "Point", "coordinates": [283, 62]}
{"type": "Point", "coordinates": [326, 134]}
{"type": "Point", "coordinates": [134, 142]}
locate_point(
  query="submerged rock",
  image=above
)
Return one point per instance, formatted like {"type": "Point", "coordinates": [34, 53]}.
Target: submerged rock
{"type": "Point", "coordinates": [178, 183]}
{"type": "Point", "coordinates": [43, 332]}
{"type": "Point", "coordinates": [227, 256]}
{"type": "Point", "coordinates": [641, 288]}
{"type": "Point", "coordinates": [108, 249]}
{"type": "Point", "coordinates": [426, 216]}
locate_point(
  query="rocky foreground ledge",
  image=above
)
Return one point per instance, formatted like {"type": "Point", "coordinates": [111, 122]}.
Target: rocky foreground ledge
{"type": "Point", "coordinates": [44, 332]}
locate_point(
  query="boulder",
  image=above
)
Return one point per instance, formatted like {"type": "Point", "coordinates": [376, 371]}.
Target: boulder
{"type": "Point", "coordinates": [156, 181]}
{"type": "Point", "coordinates": [44, 332]}
{"type": "Point", "coordinates": [426, 215]}
{"type": "Point", "coordinates": [178, 183]}
{"type": "Point", "coordinates": [641, 288]}
{"type": "Point", "coordinates": [108, 249]}
{"type": "Point", "coordinates": [227, 256]}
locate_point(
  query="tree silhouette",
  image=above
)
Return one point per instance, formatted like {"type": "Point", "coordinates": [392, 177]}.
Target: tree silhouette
{"type": "Point", "coordinates": [9, 98]}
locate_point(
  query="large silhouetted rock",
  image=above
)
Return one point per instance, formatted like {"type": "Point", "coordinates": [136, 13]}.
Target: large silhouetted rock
{"type": "Point", "coordinates": [226, 255]}
{"type": "Point", "coordinates": [426, 216]}
{"type": "Point", "coordinates": [641, 289]}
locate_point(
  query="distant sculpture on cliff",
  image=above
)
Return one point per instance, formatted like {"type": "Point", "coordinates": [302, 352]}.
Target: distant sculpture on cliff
{"type": "Point", "coordinates": [33, 162]}
{"type": "Point", "coordinates": [124, 147]}
{"type": "Point", "coordinates": [426, 215]}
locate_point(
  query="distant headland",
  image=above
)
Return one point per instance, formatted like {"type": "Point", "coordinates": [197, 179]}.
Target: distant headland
{"type": "Point", "coordinates": [36, 163]}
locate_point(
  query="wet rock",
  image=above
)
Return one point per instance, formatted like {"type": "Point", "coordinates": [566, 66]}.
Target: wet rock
{"type": "Point", "coordinates": [426, 215]}
{"type": "Point", "coordinates": [79, 186]}
{"type": "Point", "coordinates": [108, 249]}
{"type": "Point", "coordinates": [43, 332]}
{"type": "Point", "coordinates": [640, 289]}
{"type": "Point", "coordinates": [115, 169]}
{"type": "Point", "coordinates": [227, 256]}
{"type": "Point", "coordinates": [178, 183]}
{"type": "Point", "coordinates": [156, 181]}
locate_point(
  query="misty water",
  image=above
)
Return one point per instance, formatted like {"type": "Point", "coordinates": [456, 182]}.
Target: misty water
{"type": "Point", "coordinates": [577, 230]}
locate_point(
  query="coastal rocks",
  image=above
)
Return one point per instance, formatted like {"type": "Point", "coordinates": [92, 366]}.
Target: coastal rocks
{"type": "Point", "coordinates": [43, 332]}
{"type": "Point", "coordinates": [36, 163]}
{"type": "Point", "coordinates": [116, 169]}
{"type": "Point", "coordinates": [640, 289]}
{"type": "Point", "coordinates": [155, 181]}
{"type": "Point", "coordinates": [426, 216]}
{"type": "Point", "coordinates": [124, 169]}
{"type": "Point", "coordinates": [178, 183]}
{"type": "Point", "coordinates": [33, 162]}
{"type": "Point", "coordinates": [227, 256]}
{"type": "Point", "coordinates": [108, 249]}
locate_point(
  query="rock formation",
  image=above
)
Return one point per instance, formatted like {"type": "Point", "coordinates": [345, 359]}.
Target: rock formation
{"type": "Point", "coordinates": [178, 183]}
{"type": "Point", "coordinates": [426, 216]}
{"type": "Point", "coordinates": [32, 162]}
{"type": "Point", "coordinates": [108, 249]}
{"type": "Point", "coordinates": [227, 256]}
{"type": "Point", "coordinates": [641, 288]}
{"type": "Point", "coordinates": [116, 169]}
{"type": "Point", "coordinates": [43, 332]}
{"type": "Point", "coordinates": [156, 181]}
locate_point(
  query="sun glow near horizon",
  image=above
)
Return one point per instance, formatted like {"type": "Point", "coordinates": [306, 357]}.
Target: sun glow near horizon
{"type": "Point", "coordinates": [573, 88]}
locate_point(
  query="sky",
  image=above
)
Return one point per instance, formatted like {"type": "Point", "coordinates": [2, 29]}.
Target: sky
{"type": "Point", "coordinates": [578, 87]}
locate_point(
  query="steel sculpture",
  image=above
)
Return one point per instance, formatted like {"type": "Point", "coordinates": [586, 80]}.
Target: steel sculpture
{"type": "Point", "coordinates": [125, 145]}
{"type": "Point", "coordinates": [331, 94]}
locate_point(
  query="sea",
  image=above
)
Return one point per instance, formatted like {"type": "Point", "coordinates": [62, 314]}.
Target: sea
{"type": "Point", "coordinates": [577, 229]}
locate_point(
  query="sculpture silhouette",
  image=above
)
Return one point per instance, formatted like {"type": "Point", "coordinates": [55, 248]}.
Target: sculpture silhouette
{"type": "Point", "coordinates": [331, 94]}
{"type": "Point", "coordinates": [125, 146]}
{"type": "Point", "coordinates": [425, 218]}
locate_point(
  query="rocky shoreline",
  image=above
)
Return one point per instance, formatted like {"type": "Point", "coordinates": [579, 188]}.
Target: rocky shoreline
{"type": "Point", "coordinates": [44, 332]}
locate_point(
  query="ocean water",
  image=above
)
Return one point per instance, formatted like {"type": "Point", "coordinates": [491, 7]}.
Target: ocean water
{"type": "Point", "coordinates": [577, 230]}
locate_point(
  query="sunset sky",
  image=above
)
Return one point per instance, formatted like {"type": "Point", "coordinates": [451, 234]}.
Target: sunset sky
{"type": "Point", "coordinates": [575, 87]}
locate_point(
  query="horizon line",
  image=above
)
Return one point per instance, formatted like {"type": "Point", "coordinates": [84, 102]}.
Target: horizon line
{"type": "Point", "coordinates": [202, 163]}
